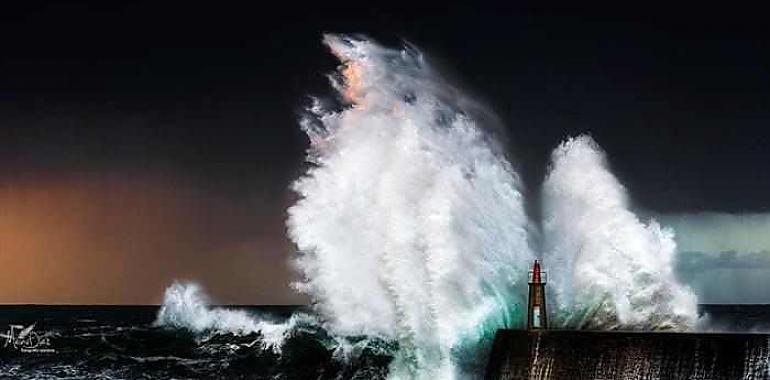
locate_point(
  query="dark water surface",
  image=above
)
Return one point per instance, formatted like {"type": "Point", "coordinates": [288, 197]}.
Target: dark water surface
{"type": "Point", "coordinates": [120, 342]}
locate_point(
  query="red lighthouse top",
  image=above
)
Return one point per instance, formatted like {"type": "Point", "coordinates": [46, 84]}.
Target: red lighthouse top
{"type": "Point", "coordinates": [535, 275]}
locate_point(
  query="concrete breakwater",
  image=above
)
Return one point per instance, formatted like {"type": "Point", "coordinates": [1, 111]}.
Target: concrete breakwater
{"type": "Point", "coordinates": [557, 354]}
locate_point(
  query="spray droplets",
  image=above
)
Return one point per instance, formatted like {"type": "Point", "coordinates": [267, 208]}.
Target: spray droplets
{"type": "Point", "coordinates": [609, 269]}
{"type": "Point", "coordinates": [410, 222]}
{"type": "Point", "coordinates": [412, 226]}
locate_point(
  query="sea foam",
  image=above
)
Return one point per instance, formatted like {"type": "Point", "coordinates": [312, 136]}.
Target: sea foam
{"type": "Point", "coordinates": [410, 222]}
{"type": "Point", "coordinates": [609, 269]}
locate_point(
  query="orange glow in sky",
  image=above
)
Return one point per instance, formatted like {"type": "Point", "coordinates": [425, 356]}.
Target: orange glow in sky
{"type": "Point", "coordinates": [123, 239]}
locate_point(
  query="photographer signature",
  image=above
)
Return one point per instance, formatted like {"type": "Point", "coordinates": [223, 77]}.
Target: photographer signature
{"type": "Point", "coordinates": [25, 339]}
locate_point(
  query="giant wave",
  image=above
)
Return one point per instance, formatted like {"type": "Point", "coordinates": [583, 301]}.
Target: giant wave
{"type": "Point", "coordinates": [411, 226]}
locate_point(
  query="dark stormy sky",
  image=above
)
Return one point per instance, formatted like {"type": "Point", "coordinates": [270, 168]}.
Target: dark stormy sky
{"type": "Point", "coordinates": [142, 143]}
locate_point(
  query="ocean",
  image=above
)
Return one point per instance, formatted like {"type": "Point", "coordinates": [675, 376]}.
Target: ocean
{"type": "Point", "coordinates": [122, 342]}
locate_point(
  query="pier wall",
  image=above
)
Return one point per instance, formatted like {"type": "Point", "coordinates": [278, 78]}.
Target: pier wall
{"type": "Point", "coordinates": [586, 355]}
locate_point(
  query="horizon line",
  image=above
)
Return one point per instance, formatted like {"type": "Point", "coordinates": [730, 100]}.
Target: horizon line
{"type": "Point", "coordinates": [139, 304]}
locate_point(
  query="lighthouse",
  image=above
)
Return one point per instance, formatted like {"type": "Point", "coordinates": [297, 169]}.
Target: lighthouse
{"type": "Point", "coordinates": [537, 318]}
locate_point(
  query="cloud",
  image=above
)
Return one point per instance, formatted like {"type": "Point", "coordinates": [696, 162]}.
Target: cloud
{"type": "Point", "coordinates": [718, 233]}
{"type": "Point", "coordinates": [725, 258]}
{"type": "Point", "coordinates": [727, 277]}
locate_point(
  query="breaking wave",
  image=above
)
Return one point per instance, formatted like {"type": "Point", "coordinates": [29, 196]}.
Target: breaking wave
{"type": "Point", "coordinates": [233, 340]}
{"type": "Point", "coordinates": [412, 232]}
{"type": "Point", "coordinates": [608, 268]}
{"type": "Point", "coordinates": [187, 307]}
{"type": "Point", "coordinates": [411, 223]}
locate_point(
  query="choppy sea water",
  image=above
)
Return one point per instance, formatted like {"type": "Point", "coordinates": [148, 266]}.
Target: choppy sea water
{"type": "Point", "coordinates": [121, 342]}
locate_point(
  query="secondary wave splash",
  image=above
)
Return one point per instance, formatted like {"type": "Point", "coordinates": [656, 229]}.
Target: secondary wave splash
{"type": "Point", "coordinates": [187, 307]}
{"type": "Point", "coordinates": [410, 223]}
{"type": "Point", "coordinates": [298, 347]}
{"type": "Point", "coordinates": [608, 268]}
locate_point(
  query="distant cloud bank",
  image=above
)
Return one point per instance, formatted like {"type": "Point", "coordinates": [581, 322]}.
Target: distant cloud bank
{"type": "Point", "coordinates": [725, 258]}
{"type": "Point", "coordinates": [718, 233]}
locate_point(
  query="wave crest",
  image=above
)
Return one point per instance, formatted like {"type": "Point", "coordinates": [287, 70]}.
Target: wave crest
{"type": "Point", "coordinates": [186, 307]}
{"type": "Point", "coordinates": [410, 223]}
{"type": "Point", "coordinates": [609, 269]}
